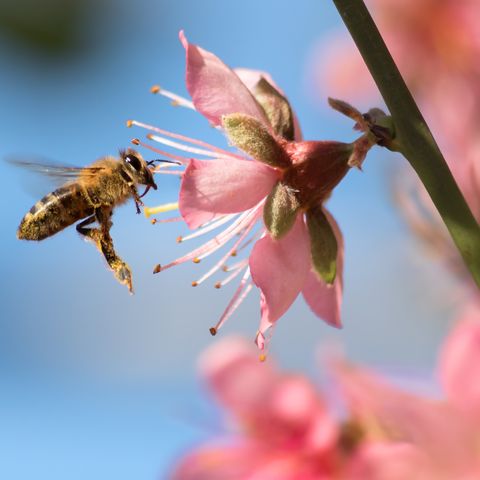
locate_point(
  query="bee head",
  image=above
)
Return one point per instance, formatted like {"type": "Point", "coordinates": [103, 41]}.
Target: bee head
{"type": "Point", "coordinates": [137, 168]}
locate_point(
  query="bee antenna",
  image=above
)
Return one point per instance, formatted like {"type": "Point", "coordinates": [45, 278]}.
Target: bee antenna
{"type": "Point", "coordinates": [152, 162]}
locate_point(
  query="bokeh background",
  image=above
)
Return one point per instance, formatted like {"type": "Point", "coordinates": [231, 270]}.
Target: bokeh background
{"type": "Point", "coordinates": [95, 383]}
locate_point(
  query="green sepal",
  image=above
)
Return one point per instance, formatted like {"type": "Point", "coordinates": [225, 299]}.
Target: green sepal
{"type": "Point", "coordinates": [251, 136]}
{"type": "Point", "coordinates": [277, 109]}
{"type": "Point", "coordinates": [280, 210]}
{"type": "Point", "coordinates": [323, 244]}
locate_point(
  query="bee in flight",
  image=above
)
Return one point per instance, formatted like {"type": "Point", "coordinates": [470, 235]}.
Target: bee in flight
{"type": "Point", "coordinates": [90, 193]}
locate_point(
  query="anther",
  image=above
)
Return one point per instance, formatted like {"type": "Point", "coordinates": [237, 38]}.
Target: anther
{"type": "Point", "coordinates": [194, 284]}
{"type": "Point", "coordinates": [262, 357]}
{"type": "Point", "coordinates": [213, 331]}
{"type": "Point", "coordinates": [150, 136]}
{"type": "Point", "coordinates": [233, 253]}
{"type": "Point", "coordinates": [135, 141]}
{"type": "Point", "coordinates": [175, 103]}
{"type": "Point", "coordinates": [196, 260]}
{"type": "Point", "coordinates": [153, 221]}
{"type": "Point", "coordinates": [225, 268]}
{"type": "Point", "coordinates": [129, 123]}
{"type": "Point", "coordinates": [179, 239]}
{"type": "Point", "coordinates": [155, 89]}
{"type": "Point", "coordinates": [218, 285]}
{"type": "Point", "coordinates": [157, 268]}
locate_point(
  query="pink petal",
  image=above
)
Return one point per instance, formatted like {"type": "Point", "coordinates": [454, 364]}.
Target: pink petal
{"type": "Point", "coordinates": [215, 89]}
{"type": "Point", "coordinates": [279, 268]}
{"type": "Point", "coordinates": [297, 412]}
{"type": "Point", "coordinates": [325, 300]}
{"type": "Point", "coordinates": [219, 462]}
{"type": "Point", "coordinates": [389, 461]}
{"type": "Point", "coordinates": [434, 427]}
{"type": "Point", "coordinates": [212, 187]}
{"type": "Point", "coordinates": [237, 378]}
{"type": "Point", "coordinates": [460, 363]}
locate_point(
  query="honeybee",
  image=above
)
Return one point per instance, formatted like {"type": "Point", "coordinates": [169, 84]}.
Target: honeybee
{"type": "Point", "coordinates": [90, 193]}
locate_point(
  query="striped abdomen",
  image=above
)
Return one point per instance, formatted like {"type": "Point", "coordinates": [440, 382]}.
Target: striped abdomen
{"type": "Point", "coordinates": [54, 212]}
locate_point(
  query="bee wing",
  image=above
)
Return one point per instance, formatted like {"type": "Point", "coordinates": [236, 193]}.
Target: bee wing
{"type": "Point", "coordinates": [54, 173]}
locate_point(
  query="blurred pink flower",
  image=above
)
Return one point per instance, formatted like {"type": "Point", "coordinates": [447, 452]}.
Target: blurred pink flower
{"type": "Point", "coordinates": [271, 194]}
{"type": "Point", "coordinates": [430, 40]}
{"type": "Point", "coordinates": [441, 436]}
{"type": "Point", "coordinates": [284, 429]}
{"type": "Point", "coordinates": [459, 366]}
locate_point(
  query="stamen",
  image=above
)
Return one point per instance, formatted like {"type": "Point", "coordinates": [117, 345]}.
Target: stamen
{"type": "Point", "coordinates": [179, 173]}
{"type": "Point", "coordinates": [238, 297]}
{"type": "Point", "coordinates": [262, 341]}
{"type": "Point", "coordinates": [179, 158]}
{"type": "Point", "coordinates": [217, 242]}
{"type": "Point", "coordinates": [234, 274]}
{"type": "Point", "coordinates": [240, 223]}
{"type": "Point", "coordinates": [166, 220]}
{"type": "Point", "coordinates": [157, 268]}
{"type": "Point", "coordinates": [193, 141]}
{"type": "Point", "coordinates": [222, 261]}
{"type": "Point", "coordinates": [253, 238]}
{"type": "Point", "coordinates": [166, 207]}
{"type": "Point", "coordinates": [186, 148]}
{"type": "Point", "coordinates": [235, 266]}
{"type": "Point", "coordinates": [181, 101]}
{"type": "Point", "coordinates": [209, 227]}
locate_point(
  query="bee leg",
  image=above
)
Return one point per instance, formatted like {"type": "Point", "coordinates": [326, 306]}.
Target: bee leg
{"type": "Point", "coordinates": [137, 198]}
{"type": "Point", "coordinates": [120, 269]}
{"type": "Point", "coordinates": [81, 226]}
{"type": "Point", "coordinates": [93, 234]}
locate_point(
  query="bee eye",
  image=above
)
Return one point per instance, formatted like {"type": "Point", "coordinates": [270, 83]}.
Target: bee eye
{"type": "Point", "coordinates": [134, 162]}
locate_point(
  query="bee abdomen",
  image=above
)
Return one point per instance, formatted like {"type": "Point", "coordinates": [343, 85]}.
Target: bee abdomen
{"type": "Point", "coordinates": [54, 212]}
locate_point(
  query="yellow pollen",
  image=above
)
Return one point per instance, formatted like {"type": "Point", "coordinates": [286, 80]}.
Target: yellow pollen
{"type": "Point", "coordinates": [218, 285]}
{"type": "Point", "coordinates": [166, 207]}
{"type": "Point", "coordinates": [194, 284]}
{"type": "Point", "coordinates": [157, 268]}
{"type": "Point", "coordinates": [179, 239]}
{"type": "Point", "coordinates": [213, 331]}
{"type": "Point", "coordinates": [135, 141]}
{"type": "Point", "coordinates": [196, 260]}
{"type": "Point", "coordinates": [129, 123]}
{"type": "Point", "coordinates": [155, 89]}
{"type": "Point", "coordinates": [262, 357]}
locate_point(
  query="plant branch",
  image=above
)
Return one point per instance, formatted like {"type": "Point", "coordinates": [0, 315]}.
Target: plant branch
{"type": "Point", "coordinates": [413, 135]}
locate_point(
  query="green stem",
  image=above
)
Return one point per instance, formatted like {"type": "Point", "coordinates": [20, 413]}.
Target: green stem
{"type": "Point", "coordinates": [412, 133]}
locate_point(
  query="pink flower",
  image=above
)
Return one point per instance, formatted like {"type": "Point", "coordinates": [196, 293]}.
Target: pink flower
{"type": "Point", "coordinates": [283, 429]}
{"type": "Point", "coordinates": [270, 195]}
{"type": "Point", "coordinates": [459, 367]}
{"type": "Point", "coordinates": [440, 437]}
